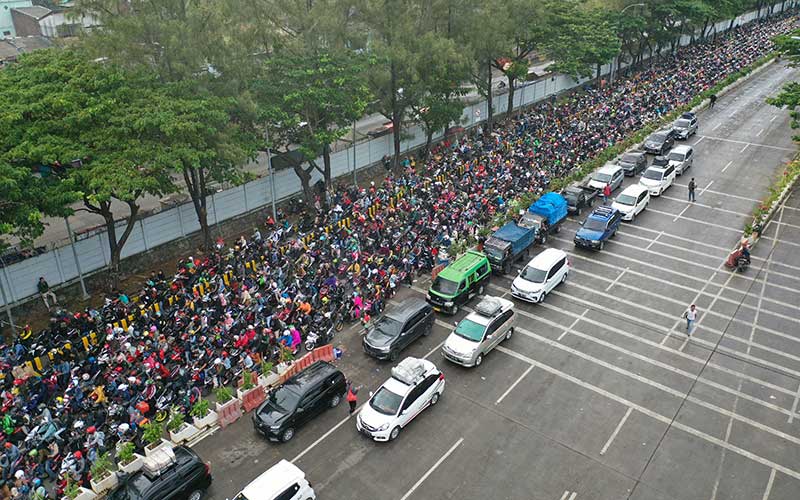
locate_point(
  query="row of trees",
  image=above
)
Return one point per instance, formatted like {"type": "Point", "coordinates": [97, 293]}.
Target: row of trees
{"type": "Point", "coordinates": [173, 95]}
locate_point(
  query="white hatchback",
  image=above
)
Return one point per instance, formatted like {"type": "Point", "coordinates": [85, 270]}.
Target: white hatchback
{"type": "Point", "coordinates": [632, 201]}
{"type": "Point", "coordinates": [282, 481]}
{"type": "Point", "coordinates": [415, 384]}
{"type": "Point", "coordinates": [658, 179]}
{"type": "Point", "coordinates": [543, 273]}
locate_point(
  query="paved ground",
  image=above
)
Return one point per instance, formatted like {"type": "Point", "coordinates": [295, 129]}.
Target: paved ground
{"type": "Point", "coordinates": [600, 394]}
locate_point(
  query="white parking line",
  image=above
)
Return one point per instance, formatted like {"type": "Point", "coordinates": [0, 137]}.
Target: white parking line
{"type": "Point", "coordinates": [706, 188]}
{"type": "Point", "coordinates": [572, 325]}
{"type": "Point", "coordinates": [728, 165]}
{"type": "Point", "coordinates": [681, 214]}
{"type": "Point", "coordinates": [760, 132]}
{"type": "Point", "coordinates": [511, 388]}
{"type": "Point", "coordinates": [617, 279]}
{"type": "Point", "coordinates": [440, 344]}
{"type": "Point", "coordinates": [699, 140]}
{"type": "Point", "coordinates": [768, 489]}
{"type": "Point", "coordinates": [652, 210]}
{"type": "Point", "coordinates": [653, 414]}
{"type": "Point", "coordinates": [616, 431]}
{"type": "Point", "coordinates": [660, 233]}
{"type": "Point", "coordinates": [748, 143]}
{"type": "Point", "coordinates": [718, 125]}
{"type": "Point", "coordinates": [570, 494]}
{"type": "Point", "coordinates": [694, 300]}
{"type": "Point", "coordinates": [728, 430]}
{"type": "Point", "coordinates": [724, 194]}
{"type": "Point", "coordinates": [330, 431]}
{"type": "Point", "coordinates": [773, 118]}
{"type": "Point", "coordinates": [432, 469]}
{"type": "Point", "coordinates": [698, 204]}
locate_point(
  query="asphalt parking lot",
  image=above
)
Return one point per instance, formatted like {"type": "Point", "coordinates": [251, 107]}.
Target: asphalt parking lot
{"type": "Point", "coordinates": [600, 394]}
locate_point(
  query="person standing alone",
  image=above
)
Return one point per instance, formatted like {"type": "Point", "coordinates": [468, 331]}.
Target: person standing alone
{"type": "Point", "coordinates": [692, 186]}
{"type": "Point", "coordinates": [606, 193]}
{"type": "Point", "coordinates": [45, 292]}
{"type": "Point", "coordinates": [691, 317]}
{"type": "Point", "coordinates": [352, 397]}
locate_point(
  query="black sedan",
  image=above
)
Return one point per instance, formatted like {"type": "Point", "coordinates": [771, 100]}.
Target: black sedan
{"type": "Point", "coordinates": [659, 142]}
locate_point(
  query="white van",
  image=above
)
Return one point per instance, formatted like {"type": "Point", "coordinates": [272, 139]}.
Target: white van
{"type": "Point", "coordinates": [543, 273]}
{"type": "Point", "coordinates": [609, 173]}
{"type": "Point", "coordinates": [658, 179]}
{"type": "Point", "coordinates": [282, 481]}
{"type": "Point", "coordinates": [632, 201]}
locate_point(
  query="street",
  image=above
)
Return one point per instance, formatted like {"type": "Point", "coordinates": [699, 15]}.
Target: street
{"type": "Point", "coordinates": [600, 394]}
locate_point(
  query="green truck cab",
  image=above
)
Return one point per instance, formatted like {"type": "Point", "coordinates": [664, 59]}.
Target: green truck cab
{"type": "Point", "coordinates": [459, 282]}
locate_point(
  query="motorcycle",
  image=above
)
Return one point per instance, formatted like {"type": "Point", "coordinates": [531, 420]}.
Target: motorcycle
{"type": "Point", "coordinates": [315, 340]}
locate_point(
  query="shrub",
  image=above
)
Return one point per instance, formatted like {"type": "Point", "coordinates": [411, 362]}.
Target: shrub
{"type": "Point", "coordinates": [176, 422]}
{"type": "Point", "coordinates": [125, 453]}
{"type": "Point", "coordinates": [199, 409]}
{"type": "Point", "coordinates": [72, 490]}
{"type": "Point", "coordinates": [152, 432]}
{"type": "Point", "coordinates": [223, 394]}
{"type": "Point", "coordinates": [266, 367]}
{"type": "Point", "coordinates": [101, 467]}
{"type": "Point", "coordinates": [247, 380]}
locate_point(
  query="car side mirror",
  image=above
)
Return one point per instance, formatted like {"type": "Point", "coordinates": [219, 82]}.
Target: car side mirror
{"type": "Point", "coordinates": [371, 393]}
{"type": "Point", "coordinates": [489, 337]}
{"type": "Point", "coordinates": [455, 323]}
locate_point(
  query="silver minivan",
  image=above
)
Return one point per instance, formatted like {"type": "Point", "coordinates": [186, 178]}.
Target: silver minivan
{"type": "Point", "coordinates": [481, 331]}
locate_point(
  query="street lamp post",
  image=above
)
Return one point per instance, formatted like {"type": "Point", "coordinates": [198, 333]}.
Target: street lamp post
{"type": "Point", "coordinates": [355, 181]}
{"type": "Point", "coordinates": [75, 256]}
{"type": "Point", "coordinates": [615, 61]}
{"type": "Point", "coordinates": [271, 176]}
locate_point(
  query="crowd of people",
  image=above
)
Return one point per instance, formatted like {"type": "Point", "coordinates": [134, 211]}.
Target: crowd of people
{"type": "Point", "coordinates": [57, 422]}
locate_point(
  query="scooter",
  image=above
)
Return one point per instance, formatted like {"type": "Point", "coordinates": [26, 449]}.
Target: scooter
{"type": "Point", "coordinates": [315, 340]}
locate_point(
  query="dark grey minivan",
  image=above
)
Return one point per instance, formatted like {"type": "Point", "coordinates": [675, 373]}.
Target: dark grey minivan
{"type": "Point", "coordinates": [397, 328]}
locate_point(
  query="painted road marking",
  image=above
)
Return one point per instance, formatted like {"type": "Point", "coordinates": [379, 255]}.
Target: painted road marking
{"type": "Point", "coordinates": [793, 413]}
{"type": "Point", "coordinates": [652, 210]}
{"type": "Point", "coordinates": [724, 194]}
{"type": "Point", "coordinates": [748, 143]}
{"type": "Point", "coordinates": [697, 204]}
{"type": "Point", "coordinates": [330, 431]}
{"type": "Point", "coordinates": [700, 140]}
{"type": "Point", "coordinates": [728, 165]}
{"type": "Point", "coordinates": [432, 469]}
{"type": "Point", "coordinates": [718, 125]}
{"type": "Point", "coordinates": [501, 398]}
{"type": "Point", "coordinates": [768, 489]}
{"type": "Point", "coordinates": [745, 147]}
{"type": "Point", "coordinates": [616, 431]}
{"type": "Point", "coordinates": [575, 322]}
{"type": "Point", "coordinates": [570, 494]}
{"type": "Point", "coordinates": [706, 188]}
{"type": "Point", "coordinates": [653, 414]}
{"type": "Point", "coordinates": [616, 279]}
{"type": "Point", "coordinates": [724, 450]}
{"type": "Point", "coordinates": [660, 233]}
{"type": "Point", "coordinates": [681, 214]}
{"type": "Point", "coordinates": [694, 300]}
{"type": "Point", "coordinates": [773, 118]}
{"type": "Point", "coordinates": [440, 344]}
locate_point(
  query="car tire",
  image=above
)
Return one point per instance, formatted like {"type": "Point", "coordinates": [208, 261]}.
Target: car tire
{"type": "Point", "coordinates": [509, 333]}
{"type": "Point", "coordinates": [602, 245]}
{"type": "Point", "coordinates": [195, 495]}
{"type": "Point", "coordinates": [480, 290]}
{"type": "Point", "coordinates": [479, 360]}
{"type": "Point", "coordinates": [395, 432]}
{"type": "Point", "coordinates": [544, 239]}
{"type": "Point", "coordinates": [558, 229]}
{"type": "Point", "coordinates": [428, 329]}
{"type": "Point", "coordinates": [541, 298]}
{"type": "Point", "coordinates": [633, 217]}
{"type": "Point", "coordinates": [287, 435]}
{"type": "Point", "coordinates": [393, 355]}
{"type": "Point", "coordinates": [578, 212]}
{"type": "Point", "coordinates": [564, 278]}
{"type": "Point", "coordinates": [335, 400]}
{"type": "Point", "coordinates": [434, 398]}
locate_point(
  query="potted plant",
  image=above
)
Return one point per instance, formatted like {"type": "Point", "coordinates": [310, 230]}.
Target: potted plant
{"type": "Point", "coordinates": [127, 460]}
{"type": "Point", "coordinates": [103, 476]}
{"type": "Point", "coordinates": [229, 408]}
{"type": "Point", "coordinates": [268, 378]}
{"type": "Point", "coordinates": [179, 430]}
{"type": "Point", "coordinates": [250, 394]}
{"type": "Point", "coordinates": [73, 491]}
{"type": "Point", "coordinates": [152, 432]}
{"type": "Point", "coordinates": [203, 415]}
{"type": "Point", "coordinates": [286, 358]}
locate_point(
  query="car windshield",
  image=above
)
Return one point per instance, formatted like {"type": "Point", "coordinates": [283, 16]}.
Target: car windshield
{"type": "Point", "coordinates": [630, 159]}
{"type": "Point", "coordinates": [658, 137]}
{"type": "Point", "coordinates": [534, 275]}
{"type": "Point", "coordinates": [284, 398]}
{"type": "Point", "coordinates": [470, 330]}
{"type": "Point", "coordinates": [676, 156]}
{"type": "Point", "coordinates": [599, 176]}
{"type": "Point", "coordinates": [652, 174]}
{"type": "Point", "coordinates": [682, 123]}
{"type": "Point", "coordinates": [133, 489]}
{"type": "Point", "coordinates": [626, 199]}
{"type": "Point", "coordinates": [387, 327]}
{"type": "Point", "coordinates": [444, 286]}
{"type": "Point", "coordinates": [571, 197]}
{"type": "Point", "coordinates": [594, 225]}
{"type": "Point", "coordinates": [386, 402]}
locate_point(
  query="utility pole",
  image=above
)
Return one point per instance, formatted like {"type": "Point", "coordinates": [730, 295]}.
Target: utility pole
{"type": "Point", "coordinates": [75, 256]}
{"type": "Point", "coordinates": [271, 175]}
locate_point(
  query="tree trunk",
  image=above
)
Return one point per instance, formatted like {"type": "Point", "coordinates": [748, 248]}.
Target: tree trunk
{"type": "Point", "coordinates": [115, 245]}
{"type": "Point", "coordinates": [428, 142]}
{"type": "Point", "coordinates": [396, 119]}
{"type": "Point", "coordinates": [510, 106]}
{"type": "Point", "coordinates": [705, 27]}
{"type": "Point", "coordinates": [305, 181]}
{"type": "Point", "coordinates": [326, 166]}
{"type": "Point", "coordinates": [196, 185]}
{"type": "Point", "coordinates": [489, 102]}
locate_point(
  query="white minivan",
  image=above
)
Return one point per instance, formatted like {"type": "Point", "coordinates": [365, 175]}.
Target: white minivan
{"type": "Point", "coordinates": [610, 173]}
{"type": "Point", "coordinates": [543, 273]}
{"type": "Point", "coordinates": [658, 179]}
{"type": "Point", "coordinates": [632, 201]}
{"type": "Point", "coordinates": [282, 481]}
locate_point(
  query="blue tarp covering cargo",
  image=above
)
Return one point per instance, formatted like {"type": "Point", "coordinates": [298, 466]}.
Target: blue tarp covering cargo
{"type": "Point", "coordinates": [510, 232]}
{"type": "Point", "coordinates": [551, 206]}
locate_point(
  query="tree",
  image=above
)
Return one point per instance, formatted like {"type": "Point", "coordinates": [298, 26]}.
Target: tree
{"type": "Point", "coordinates": [788, 46]}
{"type": "Point", "coordinates": [310, 99]}
{"type": "Point", "coordinates": [60, 106]}
{"type": "Point", "coordinates": [580, 38]}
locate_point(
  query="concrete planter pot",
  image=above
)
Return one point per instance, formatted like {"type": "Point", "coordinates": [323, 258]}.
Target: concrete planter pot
{"type": "Point", "coordinates": [185, 433]}
{"type": "Point", "coordinates": [107, 483]}
{"type": "Point", "coordinates": [281, 368]}
{"type": "Point", "coordinates": [271, 380]}
{"type": "Point", "coordinates": [207, 421]}
{"type": "Point", "coordinates": [132, 466]}
{"type": "Point", "coordinates": [85, 494]}
{"type": "Point", "coordinates": [151, 448]}
{"type": "Point", "coordinates": [252, 398]}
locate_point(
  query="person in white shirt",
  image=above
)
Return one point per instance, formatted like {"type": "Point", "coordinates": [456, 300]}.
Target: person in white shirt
{"type": "Point", "coordinates": [691, 317]}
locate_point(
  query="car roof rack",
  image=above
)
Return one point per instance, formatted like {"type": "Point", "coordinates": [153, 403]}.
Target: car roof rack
{"type": "Point", "coordinates": [603, 211]}
{"type": "Point", "coordinates": [409, 371]}
{"type": "Point", "coordinates": [158, 461]}
{"type": "Point", "coordinates": [489, 307]}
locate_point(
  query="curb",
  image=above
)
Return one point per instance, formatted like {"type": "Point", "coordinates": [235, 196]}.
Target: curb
{"type": "Point", "coordinates": [767, 217]}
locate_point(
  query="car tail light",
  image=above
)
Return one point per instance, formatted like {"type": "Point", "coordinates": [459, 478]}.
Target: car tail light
{"type": "Point", "coordinates": [208, 469]}
{"type": "Point", "coordinates": [441, 376]}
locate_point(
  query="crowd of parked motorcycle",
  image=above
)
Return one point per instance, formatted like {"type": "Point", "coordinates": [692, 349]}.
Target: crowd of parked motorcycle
{"type": "Point", "coordinates": [280, 291]}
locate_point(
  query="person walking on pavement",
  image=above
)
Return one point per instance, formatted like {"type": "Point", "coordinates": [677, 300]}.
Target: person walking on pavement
{"type": "Point", "coordinates": [692, 186]}
{"type": "Point", "coordinates": [45, 292]}
{"type": "Point", "coordinates": [713, 99]}
{"type": "Point", "coordinates": [352, 397]}
{"type": "Point", "coordinates": [606, 193]}
{"type": "Point", "coordinates": [691, 317]}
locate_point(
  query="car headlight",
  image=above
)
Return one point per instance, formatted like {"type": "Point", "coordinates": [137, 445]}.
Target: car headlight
{"type": "Point", "coordinates": [449, 303]}
{"type": "Point", "coordinates": [383, 427]}
{"type": "Point", "coordinates": [275, 428]}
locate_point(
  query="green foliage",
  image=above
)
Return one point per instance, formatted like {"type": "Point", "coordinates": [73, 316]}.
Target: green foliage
{"type": "Point", "coordinates": [247, 380]}
{"type": "Point", "coordinates": [176, 421]}
{"type": "Point", "coordinates": [199, 409]}
{"type": "Point", "coordinates": [152, 432]}
{"type": "Point", "coordinates": [286, 354]}
{"type": "Point", "coordinates": [266, 368]}
{"type": "Point", "coordinates": [72, 489]}
{"type": "Point", "coordinates": [125, 453]}
{"type": "Point", "coordinates": [223, 394]}
{"type": "Point", "coordinates": [102, 466]}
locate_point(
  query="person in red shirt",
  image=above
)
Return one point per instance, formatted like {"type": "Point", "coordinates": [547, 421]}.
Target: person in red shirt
{"type": "Point", "coordinates": [606, 193]}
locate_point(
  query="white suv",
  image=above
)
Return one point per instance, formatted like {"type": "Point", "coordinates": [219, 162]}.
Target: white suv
{"type": "Point", "coordinates": [632, 201]}
{"type": "Point", "coordinates": [480, 332]}
{"type": "Point", "coordinates": [415, 384]}
{"type": "Point", "coordinates": [283, 481]}
{"type": "Point", "coordinates": [657, 179]}
{"type": "Point", "coordinates": [543, 273]}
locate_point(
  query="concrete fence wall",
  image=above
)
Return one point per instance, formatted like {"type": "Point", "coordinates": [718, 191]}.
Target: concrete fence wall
{"type": "Point", "coordinates": [58, 266]}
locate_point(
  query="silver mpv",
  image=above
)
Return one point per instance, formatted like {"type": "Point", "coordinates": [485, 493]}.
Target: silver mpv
{"type": "Point", "coordinates": [481, 331]}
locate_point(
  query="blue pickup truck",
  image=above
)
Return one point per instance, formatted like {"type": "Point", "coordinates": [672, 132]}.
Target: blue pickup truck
{"type": "Point", "coordinates": [508, 244]}
{"type": "Point", "coordinates": [545, 215]}
{"type": "Point", "coordinates": [598, 227]}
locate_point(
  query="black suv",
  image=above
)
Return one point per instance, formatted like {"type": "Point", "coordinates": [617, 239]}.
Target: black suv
{"type": "Point", "coordinates": [398, 328]}
{"type": "Point", "coordinates": [182, 477]}
{"type": "Point", "coordinates": [660, 142]}
{"type": "Point", "coordinates": [298, 400]}
{"type": "Point", "coordinates": [633, 162]}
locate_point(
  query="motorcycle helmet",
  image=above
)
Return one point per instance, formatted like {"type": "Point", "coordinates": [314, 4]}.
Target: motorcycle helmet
{"type": "Point", "coordinates": [37, 482]}
{"type": "Point", "coordinates": [90, 430]}
{"type": "Point", "coordinates": [78, 455]}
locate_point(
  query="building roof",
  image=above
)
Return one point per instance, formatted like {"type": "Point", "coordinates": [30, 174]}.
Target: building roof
{"type": "Point", "coordinates": [11, 48]}
{"type": "Point", "coordinates": [36, 11]}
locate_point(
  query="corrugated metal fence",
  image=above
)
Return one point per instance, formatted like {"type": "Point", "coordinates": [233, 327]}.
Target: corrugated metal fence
{"type": "Point", "coordinates": [58, 265]}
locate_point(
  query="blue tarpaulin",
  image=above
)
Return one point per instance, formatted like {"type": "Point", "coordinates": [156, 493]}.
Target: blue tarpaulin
{"type": "Point", "coordinates": [510, 232]}
{"type": "Point", "coordinates": [551, 205]}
